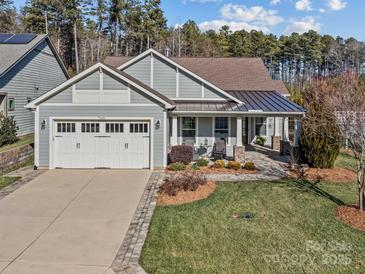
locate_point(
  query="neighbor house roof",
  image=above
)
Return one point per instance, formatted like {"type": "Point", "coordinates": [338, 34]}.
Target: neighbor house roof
{"type": "Point", "coordinates": [11, 54]}
{"type": "Point", "coordinates": [254, 101]}
{"type": "Point", "coordinates": [228, 74]}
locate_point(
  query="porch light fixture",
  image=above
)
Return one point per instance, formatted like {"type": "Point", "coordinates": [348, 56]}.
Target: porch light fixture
{"type": "Point", "coordinates": [43, 125]}
{"type": "Point", "coordinates": [206, 141]}
{"type": "Point", "coordinates": [157, 124]}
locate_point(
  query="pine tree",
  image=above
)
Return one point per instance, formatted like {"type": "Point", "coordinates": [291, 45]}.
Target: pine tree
{"type": "Point", "coordinates": [8, 16]}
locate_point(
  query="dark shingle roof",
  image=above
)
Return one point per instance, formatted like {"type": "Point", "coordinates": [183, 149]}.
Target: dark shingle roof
{"type": "Point", "coordinates": [226, 73]}
{"type": "Point", "coordinates": [254, 101]}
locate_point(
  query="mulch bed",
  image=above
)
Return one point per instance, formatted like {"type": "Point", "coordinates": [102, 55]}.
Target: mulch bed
{"type": "Point", "coordinates": [335, 175]}
{"type": "Point", "coordinates": [184, 197]}
{"type": "Point", "coordinates": [212, 170]}
{"type": "Point", "coordinates": [352, 216]}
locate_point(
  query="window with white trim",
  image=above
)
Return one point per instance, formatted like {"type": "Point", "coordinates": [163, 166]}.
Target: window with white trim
{"type": "Point", "coordinates": [114, 127]}
{"type": "Point", "coordinates": [221, 128]}
{"type": "Point", "coordinates": [188, 130]}
{"type": "Point", "coordinates": [66, 127]}
{"type": "Point", "coordinates": [260, 126]}
{"type": "Point", "coordinates": [90, 127]}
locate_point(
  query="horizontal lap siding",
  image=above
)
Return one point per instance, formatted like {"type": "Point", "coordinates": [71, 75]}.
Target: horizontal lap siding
{"type": "Point", "coordinates": [141, 70]}
{"type": "Point", "coordinates": [62, 97]}
{"type": "Point", "coordinates": [110, 82]}
{"type": "Point", "coordinates": [212, 93]}
{"type": "Point", "coordinates": [164, 78]}
{"type": "Point", "coordinates": [103, 111]}
{"type": "Point", "coordinates": [188, 87]}
{"type": "Point", "coordinates": [90, 82]}
{"type": "Point", "coordinates": [205, 130]}
{"type": "Point", "coordinates": [39, 69]}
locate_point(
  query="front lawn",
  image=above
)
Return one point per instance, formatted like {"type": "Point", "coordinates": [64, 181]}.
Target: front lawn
{"type": "Point", "coordinates": [5, 181]}
{"type": "Point", "coordinates": [23, 140]}
{"type": "Point", "coordinates": [294, 229]}
{"type": "Point", "coordinates": [346, 160]}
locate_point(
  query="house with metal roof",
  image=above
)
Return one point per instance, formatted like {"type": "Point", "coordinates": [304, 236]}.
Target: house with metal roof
{"type": "Point", "coordinates": [29, 67]}
{"type": "Point", "coordinates": [128, 112]}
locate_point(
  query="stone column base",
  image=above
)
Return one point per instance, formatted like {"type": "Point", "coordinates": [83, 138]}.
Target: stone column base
{"type": "Point", "coordinates": [239, 154]}
{"type": "Point", "coordinates": [285, 147]}
{"type": "Point", "coordinates": [275, 142]}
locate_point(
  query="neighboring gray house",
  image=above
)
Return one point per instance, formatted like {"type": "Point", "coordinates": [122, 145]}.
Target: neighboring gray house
{"type": "Point", "coordinates": [29, 67]}
{"type": "Point", "coordinates": [128, 112]}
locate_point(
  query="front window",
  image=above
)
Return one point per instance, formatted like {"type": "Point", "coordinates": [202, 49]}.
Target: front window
{"type": "Point", "coordinates": [221, 128]}
{"type": "Point", "coordinates": [260, 126]}
{"type": "Point", "coordinates": [188, 130]}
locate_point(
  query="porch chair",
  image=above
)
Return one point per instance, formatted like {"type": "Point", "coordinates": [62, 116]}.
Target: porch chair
{"type": "Point", "coordinates": [219, 149]}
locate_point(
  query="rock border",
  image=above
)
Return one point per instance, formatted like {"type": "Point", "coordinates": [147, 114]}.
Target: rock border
{"type": "Point", "coordinates": [127, 259]}
{"type": "Point", "coordinates": [19, 183]}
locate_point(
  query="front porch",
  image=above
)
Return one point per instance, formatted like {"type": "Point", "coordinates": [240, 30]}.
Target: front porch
{"type": "Point", "coordinates": [237, 131]}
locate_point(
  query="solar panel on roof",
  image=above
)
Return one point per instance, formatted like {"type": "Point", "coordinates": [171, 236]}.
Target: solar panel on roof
{"type": "Point", "coordinates": [4, 36]}
{"type": "Point", "coordinates": [20, 38]}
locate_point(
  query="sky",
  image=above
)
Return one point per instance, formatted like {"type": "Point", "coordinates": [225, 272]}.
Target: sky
{"type": "Point", "coordinates": [335, 17]}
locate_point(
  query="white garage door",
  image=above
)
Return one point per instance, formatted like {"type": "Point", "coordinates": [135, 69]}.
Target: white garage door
{"type": "Point", "coordinates": [106, 144]}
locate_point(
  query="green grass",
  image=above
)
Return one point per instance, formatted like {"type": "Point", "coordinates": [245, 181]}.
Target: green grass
{"type": "Point", "coordinates": [24, 140]}
{"type": "Point", "coordinates": [5, 181]}
{"type": "Point", "coordinates": [345, 160]}
{"type": "Point", "coordinates": [203, 237]}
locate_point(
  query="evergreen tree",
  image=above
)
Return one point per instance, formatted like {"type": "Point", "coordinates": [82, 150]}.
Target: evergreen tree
{"type": "Point", "coordinates": [8, 16]}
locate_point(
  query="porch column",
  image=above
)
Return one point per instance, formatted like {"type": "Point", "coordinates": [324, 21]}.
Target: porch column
{"type": "Point", "coordinates": [285, 129]}
{"type": "Point", "coordinates": [174, 131]}
{"type": "Point", "coordinates": [297, 129]}
{"type": "Point", "coordinates": [239, 132]}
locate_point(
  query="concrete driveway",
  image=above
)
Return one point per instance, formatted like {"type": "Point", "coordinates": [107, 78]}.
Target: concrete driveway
{"type": "Point", "coordinates": [68, 221]}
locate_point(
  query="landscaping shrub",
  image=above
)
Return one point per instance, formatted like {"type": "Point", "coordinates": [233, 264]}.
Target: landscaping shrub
{"type": "Point", "coordinates": [182, 154]}
{"type": "Point", "coordinates": [320, 139]}
{"type": "Point", "coordinates": [184, 181]}
{"type": "Point", "coordinates": [234, 165]}
{"type": "Point", "coordinates": [260, 140]}
{"type": "Point", "coordinates": [250, 166]}
{"type": "Point", "coordinates": [8, 129]}
{"type": "Point", "coordinates": [219, 164]}
{"type": "Point", "coordinates": [177, 166]}
{"type": "Point", "coordinates": [202, 162]}
{"type": "Point", "coordinates": [194, 166]}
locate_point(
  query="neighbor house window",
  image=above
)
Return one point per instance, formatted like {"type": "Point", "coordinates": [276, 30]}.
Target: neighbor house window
{"type": "Point", "coordinates": [188, 129]}
{"type": "Point", "coordinates": [11, 104]}
{"type": "Point", "coordinates": [260, 128]}
{"type": "Point", "coordinates": [221, 128]}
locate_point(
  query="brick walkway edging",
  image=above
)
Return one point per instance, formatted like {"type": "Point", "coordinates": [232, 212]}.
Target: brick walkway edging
{"type": "Point", "coordinates": [127, 258]}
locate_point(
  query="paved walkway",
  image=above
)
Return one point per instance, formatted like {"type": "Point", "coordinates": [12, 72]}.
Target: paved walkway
{"type": "Point", "coordinates": [270, 165]}
{"type": "Point", "coordinates": [68, 221]}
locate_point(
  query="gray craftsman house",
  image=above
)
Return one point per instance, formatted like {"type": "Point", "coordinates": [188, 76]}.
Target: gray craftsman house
{"type": "Point", "coordinates": [29, 67]}
{"type": "Point", "coordinates": [128, 112]}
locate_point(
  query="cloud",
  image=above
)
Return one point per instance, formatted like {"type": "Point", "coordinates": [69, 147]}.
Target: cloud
{"type": "Point", "coordinates": [233, 25]}
{"type": "Point", "coordinates": [321, 10]}
{"type": "Point", "coordinates": [336, 4]}
{"type": "Point", "coordinates": [302, 25]}
{"type": "Point", "coordinates": [255, 14]}
{"type": "Point", "coordinates": [239, 17]}
{"type": "Point", "coordinates": [201, 1]}
{"type": "Point", "coordinates": [275, 2]}
{"type": "Point", "coordinates": [303, 5]}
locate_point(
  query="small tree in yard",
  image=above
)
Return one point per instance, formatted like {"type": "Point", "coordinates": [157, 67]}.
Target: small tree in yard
{"type": "Point", "coordinates": [320, 138]}
{"type": "Point", "coordinates": [8, 129]}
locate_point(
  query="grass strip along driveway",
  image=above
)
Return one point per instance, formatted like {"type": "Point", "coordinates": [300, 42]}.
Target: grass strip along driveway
{"type": "Point", "coordinates": [294, 229]}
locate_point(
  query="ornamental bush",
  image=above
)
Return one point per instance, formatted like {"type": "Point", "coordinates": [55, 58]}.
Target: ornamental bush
{"type": "Point", "coordinates": [219, 164]}
{"type": "Point", "coordinates": [8, 129]}
{"type": "Point", "coordinates": [249, 166]}
{"type": "Point", "coordinates": [320, 139]}
{"type": "Point", "coordinates": [181, 154]}
{"type": "Point", "coordinates": [202, 162]}
{"type": "Point", "coordinates": [260, 140]}
{"type": "Point", "coordinates": [234, 165]}
{"type": "Point", "coordinates": [176, 166]}
{"type": "Point", "coordinates": [184, 181]}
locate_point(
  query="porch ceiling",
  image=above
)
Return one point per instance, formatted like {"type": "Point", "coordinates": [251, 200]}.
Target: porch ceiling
{"type": "Point", "coordinates": [254, 102]}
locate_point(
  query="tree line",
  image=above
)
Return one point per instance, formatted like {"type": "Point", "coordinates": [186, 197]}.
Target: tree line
{"type": "Point", "coordinates": [86, 31]}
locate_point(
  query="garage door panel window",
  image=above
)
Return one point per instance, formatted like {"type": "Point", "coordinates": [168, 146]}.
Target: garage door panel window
{"type": "Point", "coordinates": [66, 127]}
{"type": "Point", "coordinates": [114, 127]}
{"type": "Point", "coordinates": [90, 127]}
{"type": "Point", "coordinates": [138, 127]}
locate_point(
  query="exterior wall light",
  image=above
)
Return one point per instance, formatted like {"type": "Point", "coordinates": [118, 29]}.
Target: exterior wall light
{"type": "Point", "coordinates": [43, 125]}
{"type": "Point", "coordinates": [157, 124]}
